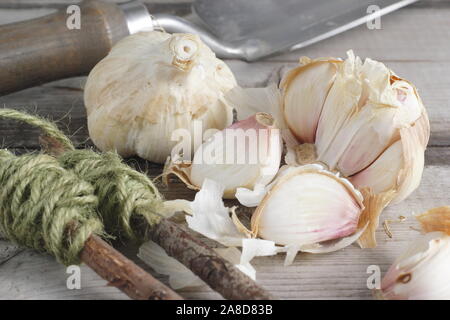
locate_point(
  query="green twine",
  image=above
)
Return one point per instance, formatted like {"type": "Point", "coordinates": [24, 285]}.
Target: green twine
{"type": "Point", "coordinates": [45, 207]}
{"type": "Point", "coordinates": [127, 198]}
{"type": "Point", "coordinates": [54, 204]}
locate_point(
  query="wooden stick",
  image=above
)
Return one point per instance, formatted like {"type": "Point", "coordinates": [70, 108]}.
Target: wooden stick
{"type": "Point", "coordinates": [122, 273]}
{"type": "Point", "coordinates": [218, 273]}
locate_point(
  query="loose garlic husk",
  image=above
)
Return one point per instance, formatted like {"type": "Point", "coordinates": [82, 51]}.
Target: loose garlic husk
{"type": "Point", "coordinates": [307, 205]}
{"type": "Point", "coordinates": [151, 84]}
{"type": "Point", "coordinates": [246, 154]}
{"type": "Point", "coordinates": [421, 272]}
{"type": "Point", "coordinates": [356, 118]}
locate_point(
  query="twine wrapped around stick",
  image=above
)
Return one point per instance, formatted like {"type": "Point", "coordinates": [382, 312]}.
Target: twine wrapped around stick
{"type": "Point", "coordinates": [54, 203]}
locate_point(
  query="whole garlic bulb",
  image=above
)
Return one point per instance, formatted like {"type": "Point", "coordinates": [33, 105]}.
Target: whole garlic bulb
{"type": "Point", "coordinates": [150, 84]}
{"type": "Point", "coordinates": [307, 205]}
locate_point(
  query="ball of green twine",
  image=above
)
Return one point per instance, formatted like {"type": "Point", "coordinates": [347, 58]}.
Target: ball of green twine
{"type": "Point", "coordinates": [54, 204]}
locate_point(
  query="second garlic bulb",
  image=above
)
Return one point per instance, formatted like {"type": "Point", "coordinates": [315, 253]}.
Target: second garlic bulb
{"type": "Point", "coordinates": [150, 85]}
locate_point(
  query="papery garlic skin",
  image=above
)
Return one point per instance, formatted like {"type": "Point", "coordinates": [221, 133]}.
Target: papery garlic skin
{"type": "Point", "coordinates": [151, 84]}
{"type": "Point", "coordinates": [307, 205]}
{"type": "Point", "coordinates": [421, 272]}
{"type": "Point", "coordinates": [436, 219]}
{"type": "Point", "coordinates": [246, 154]}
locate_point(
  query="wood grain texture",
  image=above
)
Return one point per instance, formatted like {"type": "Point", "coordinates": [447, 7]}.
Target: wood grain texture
{"type": "Point", "coordinates": [8, 250]}
{"type": "Point", "coordinates": [413, 34]}
{"type": "Point", "coordinates": [413, 42]}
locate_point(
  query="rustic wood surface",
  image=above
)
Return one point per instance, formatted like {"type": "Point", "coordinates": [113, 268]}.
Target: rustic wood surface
{"type": "Point", "coordinates": [413, 41]}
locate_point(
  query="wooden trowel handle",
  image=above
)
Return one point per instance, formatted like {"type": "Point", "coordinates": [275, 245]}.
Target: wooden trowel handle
{"type": "Point", "coordinates": [45, 49]}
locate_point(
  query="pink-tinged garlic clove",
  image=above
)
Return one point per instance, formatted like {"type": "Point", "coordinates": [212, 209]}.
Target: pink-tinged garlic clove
{"type": "Point", "coordinates": [388, 164]}
{"type": "Point", "coordinates": [246, 154]}
{"type": "Point", "coordinates": [421, 272]}
{"type": "Point", "coordinates": [307, 205]}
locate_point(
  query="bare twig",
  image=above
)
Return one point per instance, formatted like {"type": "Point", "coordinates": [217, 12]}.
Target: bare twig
{"type": "Point", "coordinates": [122, 273]}
{"type": "Point", "coordinates": [217, 272]}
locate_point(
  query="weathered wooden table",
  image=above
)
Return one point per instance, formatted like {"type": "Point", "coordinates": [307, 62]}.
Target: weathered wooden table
{"type": "Point", "coordinates": [414, 42]}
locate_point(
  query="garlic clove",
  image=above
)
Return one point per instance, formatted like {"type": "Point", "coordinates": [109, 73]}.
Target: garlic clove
{"type": "Point", "coordinates": [392, 177]}
{"type": "Point", "coordinates": [400, 167]}
{"type": "Point", "coordinates": [414, 142]}
{"type": "Point", "coordinates": [391, 104]}
{"type": "Point", "coordinates": [371, 131]}
{"type": "Point", "coordinates": [307, 86]}
{"type": "Point", "coordinates": [307, 205]}
{"type": "Point", "coordinates": [388, 164]}
{"type": "Point", "coordinates": [421, 272]}
{"type": "Point", "coordinates": [341, 103]}
{"type": "Point", "coordinates": [151, 84]}
{"type": "Point", "coordinates": [246, 154]}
